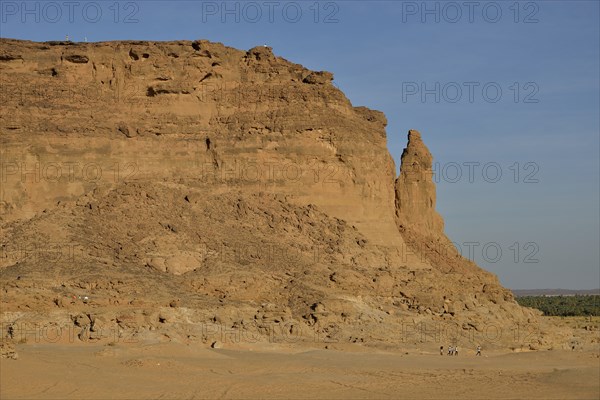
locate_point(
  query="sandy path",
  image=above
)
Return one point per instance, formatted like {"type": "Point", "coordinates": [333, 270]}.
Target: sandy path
{"type": "Point", "coordinates": [187, 372]}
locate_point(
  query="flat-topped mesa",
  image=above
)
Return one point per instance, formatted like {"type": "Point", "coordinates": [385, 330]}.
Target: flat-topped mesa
{"type": "Point", "coordinates": [198, 111]}
{"type": "Point", "coordinates": [160, 160]}
{"type": "Point", "coordinates": [415, 190]}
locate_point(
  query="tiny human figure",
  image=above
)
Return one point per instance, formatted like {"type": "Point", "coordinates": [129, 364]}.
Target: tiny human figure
{"type": "Point", "coordinates": [441, 350]}
{"type": "Point", "coordinates": [456, 351]}
{"type": "Point", "coordinates": [478, 351]}
{"type": "Point", "coordinates": [450, 350]}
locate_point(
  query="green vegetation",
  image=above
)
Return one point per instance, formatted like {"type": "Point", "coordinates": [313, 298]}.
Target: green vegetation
{"type": "Point", "coordinates": [563, 306]}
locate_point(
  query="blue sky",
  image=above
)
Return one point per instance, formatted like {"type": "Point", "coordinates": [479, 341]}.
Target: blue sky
{"type": "Point", "coordinates": [533, 113]}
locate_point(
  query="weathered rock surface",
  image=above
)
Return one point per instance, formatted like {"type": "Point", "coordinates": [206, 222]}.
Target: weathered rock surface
{"type": "Point", "coordinates": [196, 192]}
{"type": "Point", "coordinates": [415, 189]}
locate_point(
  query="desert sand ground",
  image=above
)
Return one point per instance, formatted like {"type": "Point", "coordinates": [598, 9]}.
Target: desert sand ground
{"type": "Point", "coordinates": [172, 371]}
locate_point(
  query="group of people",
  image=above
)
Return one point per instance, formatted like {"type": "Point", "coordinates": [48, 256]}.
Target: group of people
{"type": "Point", "coordinates": [453, 350]}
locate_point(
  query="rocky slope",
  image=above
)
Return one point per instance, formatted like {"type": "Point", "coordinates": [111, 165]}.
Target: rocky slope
{"type": "Point", "coordinates": [191, 191]}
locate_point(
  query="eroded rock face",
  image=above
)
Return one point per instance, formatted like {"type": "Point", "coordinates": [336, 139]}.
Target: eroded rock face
{"type": "Point", "coordinates": [415, 189]}
{"type": "Point", "coordinates": [190, 110]}
{"type": "Point", "coordinates": [247, 187]}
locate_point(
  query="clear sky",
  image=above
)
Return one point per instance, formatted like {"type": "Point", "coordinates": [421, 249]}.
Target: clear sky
{"type": "Point", "coordinates": [506, 95]}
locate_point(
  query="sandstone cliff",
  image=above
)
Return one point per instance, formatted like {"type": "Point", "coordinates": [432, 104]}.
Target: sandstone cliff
{"type": "Point", "coordinates": [415, 190]}
{"type": "Point", "coordinates": [180, 185]}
